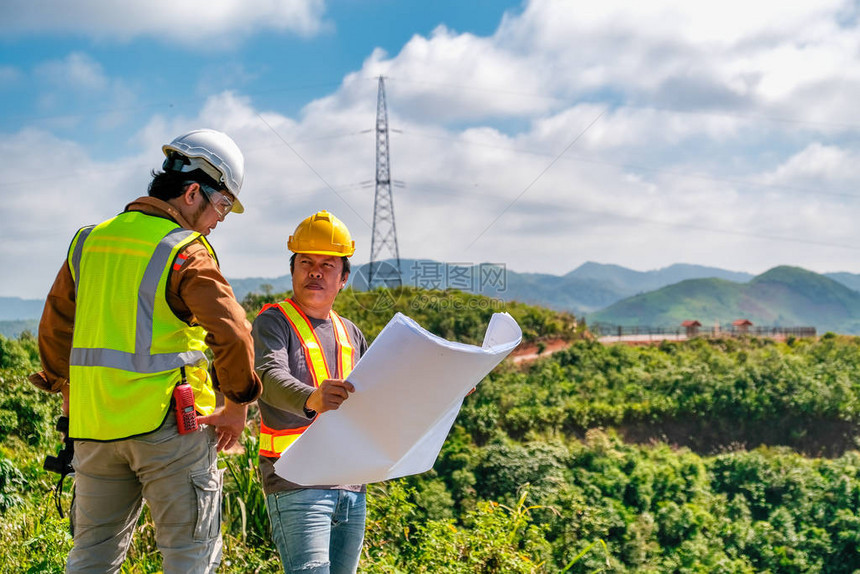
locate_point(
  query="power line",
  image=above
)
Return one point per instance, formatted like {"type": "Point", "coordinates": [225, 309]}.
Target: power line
{"type": "Point", "coordinates": [540, 175]}
{"type": "Point", "coordinates": [723, 231]}
{"type": "Point", "coordinates": [99, 170]}
{"type": "Point", "coordinates": [163, 104]}
{"type": "Point", "coordinates": [477, 89]}
{"type": "Point", "coordinates": [466, 191]}
{"type": "Point", "coordinates": [445, 85]}
{"type": "Point", "coordinates": [674, 173]}
{"type": "Point", "coordinates": [562, 100]}
{"type": "Point", "coordinates": [660, 171]}
{"type": "Point", "coordinates": [315, 172]}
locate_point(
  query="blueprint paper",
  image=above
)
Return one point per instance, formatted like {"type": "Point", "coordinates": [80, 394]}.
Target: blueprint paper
{"type": "Point", "coordinates": [409, 386]}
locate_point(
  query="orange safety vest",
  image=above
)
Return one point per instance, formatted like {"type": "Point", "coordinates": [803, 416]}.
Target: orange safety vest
{"type": "Point", "coordinates": [275, 441]}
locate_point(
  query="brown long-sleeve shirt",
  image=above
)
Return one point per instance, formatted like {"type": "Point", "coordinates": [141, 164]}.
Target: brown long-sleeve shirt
{"type": "Point", "coordinates": [197, 293]}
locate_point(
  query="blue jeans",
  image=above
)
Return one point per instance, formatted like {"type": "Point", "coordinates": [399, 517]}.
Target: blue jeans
{"type": "Point", "coordinates": [318, 531]}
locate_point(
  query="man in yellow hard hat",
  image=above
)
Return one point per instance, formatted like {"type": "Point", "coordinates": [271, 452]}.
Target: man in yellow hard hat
{"type": "Point", "coordinates": [304, 353]}
{"type": "Point", "coordinates": [128, 320]}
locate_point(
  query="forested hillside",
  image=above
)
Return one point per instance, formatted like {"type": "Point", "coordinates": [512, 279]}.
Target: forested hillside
{"type": "Point", "coordinates": [728, 455]}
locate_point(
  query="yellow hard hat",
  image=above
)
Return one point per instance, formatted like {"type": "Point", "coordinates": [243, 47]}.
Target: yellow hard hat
{"type": "Point", "coordinates": [322, 234]}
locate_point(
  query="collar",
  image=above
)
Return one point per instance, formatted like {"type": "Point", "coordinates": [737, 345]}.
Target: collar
{"type": "Point", "coordinates": [159, 208]}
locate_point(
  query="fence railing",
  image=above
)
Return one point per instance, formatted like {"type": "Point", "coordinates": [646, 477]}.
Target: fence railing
{"type": "Point", "coordinates": [606, 329]}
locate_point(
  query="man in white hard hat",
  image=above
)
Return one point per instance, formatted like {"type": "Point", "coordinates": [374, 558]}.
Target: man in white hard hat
{"type": "Point", "coordinates": [128, 319]}
{"type": "Point", "coordinates": [304, 353]}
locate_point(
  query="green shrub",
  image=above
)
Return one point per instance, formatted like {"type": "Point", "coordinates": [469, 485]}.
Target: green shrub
{"type": "Point", "coordinates": [27, 412]}
{"type": "Point", "coordinates": [11, 485]}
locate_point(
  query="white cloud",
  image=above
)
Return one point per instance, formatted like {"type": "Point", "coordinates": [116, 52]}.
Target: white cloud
{"type": "Point", "coordinates": [55, 188]}
{"type": "Point", "coordinates": [728, 22]}
{"type": "Point", "coordinates": [456, 76]}
{"type": "Point", "coordinates": [727, 138]}
{"type": "Point", "coordinates": [766, 61]}
{"type": "Point", "coordinates": [755, 58]}
{"type": "Point", "coordinates": [79, 82]}
{"type": "Point", "coordinates": [819, 166]}
{"type": "Point", "coordinates": [77, 71]}
{"type": "Point", "coordinates": [188, 22]}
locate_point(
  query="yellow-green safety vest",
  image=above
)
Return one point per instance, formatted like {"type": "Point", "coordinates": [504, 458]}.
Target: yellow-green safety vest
{"type": "Point", "coordinates": [128, 346]}
{"type": "Point", "coordinates": [273, 441]}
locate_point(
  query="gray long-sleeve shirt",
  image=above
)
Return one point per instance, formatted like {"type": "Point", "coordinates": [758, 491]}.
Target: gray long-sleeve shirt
{"type": "Point", "coordinates": [287, 380]}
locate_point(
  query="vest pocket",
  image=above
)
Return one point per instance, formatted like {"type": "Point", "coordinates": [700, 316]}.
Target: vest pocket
{"type": "Point", "coordinates": [207, 488]}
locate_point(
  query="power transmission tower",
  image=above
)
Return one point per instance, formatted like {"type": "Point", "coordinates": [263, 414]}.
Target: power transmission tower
{"type": "Point", "coordinates": [383, 273]}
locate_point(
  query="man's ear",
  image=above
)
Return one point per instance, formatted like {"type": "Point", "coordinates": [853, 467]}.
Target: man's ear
{"type": "Point", "coordinates": [191, 193]}
{"type": "Point", "coordinates": [343, 279]}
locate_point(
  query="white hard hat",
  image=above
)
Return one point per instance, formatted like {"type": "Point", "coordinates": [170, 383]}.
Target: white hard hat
{"type": "Point", "coordinates": [213, 152]}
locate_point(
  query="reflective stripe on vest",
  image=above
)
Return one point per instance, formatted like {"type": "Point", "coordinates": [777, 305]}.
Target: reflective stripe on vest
{"type": "Point", "coordinates": [141, 361]}
{"type": "Point", "coordinates": [122, 374]}
{"type": "Point", "coordinates": [275, 441]}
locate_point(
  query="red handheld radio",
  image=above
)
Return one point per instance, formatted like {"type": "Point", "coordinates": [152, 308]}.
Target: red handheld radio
{"type": "Point", "coordinates": [186, 414]}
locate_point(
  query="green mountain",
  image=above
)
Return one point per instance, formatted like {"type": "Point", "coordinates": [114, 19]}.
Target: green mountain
{"type": "Point", "coordinates": [589, 288]}
{"type": "Point", "coordinates": [850, 280]}
{"type": "Point", "coordinates": [12, 329]}
{"type": "Point", "coordinates": [17, 309]}
{"type": "Point", "coordinates": [18, 315]}
{"type": "Point", "coordinates": [783, 296]}
{"type": "Point", "coordinates": [242, 287]}
{"type": "Point", "coordinates": [633, 282]}
{"type": "Point", "coordinates": [560, 293]}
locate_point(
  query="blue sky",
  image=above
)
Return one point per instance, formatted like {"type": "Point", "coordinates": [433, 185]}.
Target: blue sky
{"type": "Point", "coordinates": [538, 134]}
{"type": "Point", "coordinates": [135, 76]}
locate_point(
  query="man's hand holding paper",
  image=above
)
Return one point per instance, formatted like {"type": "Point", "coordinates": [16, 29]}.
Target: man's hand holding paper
{"type": "Point", "coordinates": [329, 396]}
{"type": "Point", "coordinates": [409, 386]}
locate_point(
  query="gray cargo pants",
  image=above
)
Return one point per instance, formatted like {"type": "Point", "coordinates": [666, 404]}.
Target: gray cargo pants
{"type": "Point", "coordinates": [178, 477]}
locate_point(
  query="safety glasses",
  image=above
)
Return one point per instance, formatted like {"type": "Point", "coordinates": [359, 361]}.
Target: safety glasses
{"type": "Point", "coordinates": [220, 202]}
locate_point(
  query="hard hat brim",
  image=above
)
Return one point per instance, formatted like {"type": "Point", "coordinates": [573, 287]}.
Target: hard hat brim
{"type": "Point", "coordinates": [332, 253]}
{"type": "Point", "coordinates": [237, 206]}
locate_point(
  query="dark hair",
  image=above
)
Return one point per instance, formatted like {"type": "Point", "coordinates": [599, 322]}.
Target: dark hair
{"type": "Point", "coordinates": [167, 185]}
{"type": "Point", "coordinates": [344, 258]}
